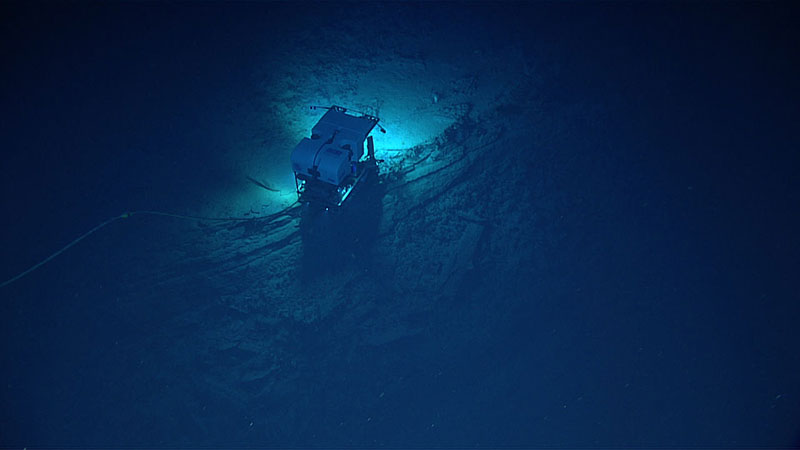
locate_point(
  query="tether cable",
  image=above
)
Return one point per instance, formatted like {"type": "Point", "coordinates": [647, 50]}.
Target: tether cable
{"type": "Point", "coordinates": [126, 215]}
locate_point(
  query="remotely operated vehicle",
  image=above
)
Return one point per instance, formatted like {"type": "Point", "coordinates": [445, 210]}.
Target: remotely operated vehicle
{"type": "Point", "coordinates": [330, 164]}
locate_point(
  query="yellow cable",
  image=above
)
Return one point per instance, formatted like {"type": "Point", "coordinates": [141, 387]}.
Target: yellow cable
{"type": "Point", "coordinates": [126, 215]}
{"type": "Point", "coordinates": [63, 249]}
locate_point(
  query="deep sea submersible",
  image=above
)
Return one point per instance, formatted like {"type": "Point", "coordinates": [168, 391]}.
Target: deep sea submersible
{"type": "Point", "coordinates": [329, 167]}
{"type": "Point", "coordinates": [330, 164]}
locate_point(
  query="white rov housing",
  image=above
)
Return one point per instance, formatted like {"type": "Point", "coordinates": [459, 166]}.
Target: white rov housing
{"type": "Point", "coordinates": [328, 164]}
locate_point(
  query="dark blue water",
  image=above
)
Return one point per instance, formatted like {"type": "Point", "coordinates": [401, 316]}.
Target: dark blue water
{"type": "Point", "coordinates": [664, 314]}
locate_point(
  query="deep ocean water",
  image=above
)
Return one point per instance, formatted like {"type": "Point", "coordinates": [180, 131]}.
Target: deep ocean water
{"type": "Point", "coordinates": [583, 232]}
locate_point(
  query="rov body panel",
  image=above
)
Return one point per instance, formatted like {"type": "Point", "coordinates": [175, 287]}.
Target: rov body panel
{"type": "Point", "coordinates": [328, 165]}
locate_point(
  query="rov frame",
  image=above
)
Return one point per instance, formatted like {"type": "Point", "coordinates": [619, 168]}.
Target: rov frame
{"type": "Point", "coordinates": [331, 164]}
